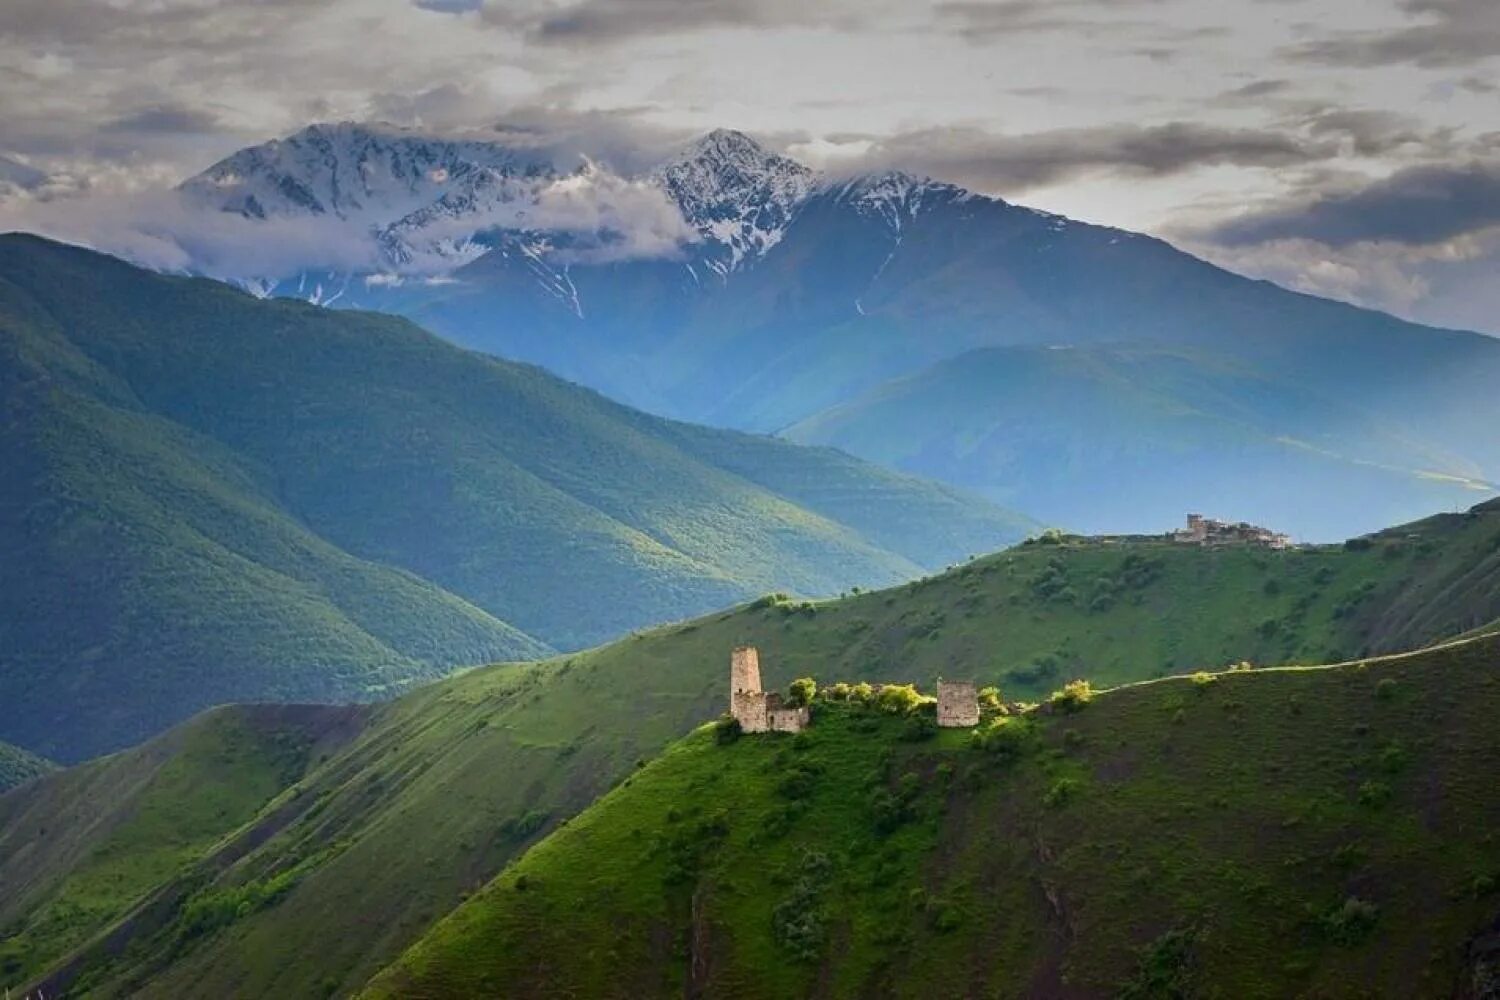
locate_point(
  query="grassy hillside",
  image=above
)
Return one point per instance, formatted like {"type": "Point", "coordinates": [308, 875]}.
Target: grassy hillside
{"type": "Point", "coordinates": [17, 766]}
{"type": "Point", "coordinates": [77, 850]}
{"type": "Point", "coordinates": [1315, 832]}
{"type": "Point", "coordinates": [1162, 430]}
{"type": "Point", "coordinates": [451, 781]}
{"type": "Point", "coordinates": [217, 498]}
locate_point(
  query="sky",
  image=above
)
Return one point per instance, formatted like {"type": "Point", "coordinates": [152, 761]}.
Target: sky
{"type": "Point", "coordinates": [1345, 147]}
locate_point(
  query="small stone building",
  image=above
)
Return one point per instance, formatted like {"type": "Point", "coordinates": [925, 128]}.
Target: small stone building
{"type": "Point", "coordinates": [757, 710]}
{"type": "Point", "coordinates": [957, 704]}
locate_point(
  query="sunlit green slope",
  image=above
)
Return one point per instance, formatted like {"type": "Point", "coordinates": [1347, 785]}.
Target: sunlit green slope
{"type": "Point", "coordinates": [1317, 832]}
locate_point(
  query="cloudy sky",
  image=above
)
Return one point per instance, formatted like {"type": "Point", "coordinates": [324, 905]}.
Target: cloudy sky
{"type": "Point", "coordinates": [1348, 147]}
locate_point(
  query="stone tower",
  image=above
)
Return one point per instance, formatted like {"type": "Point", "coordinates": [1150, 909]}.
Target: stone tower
{"type": "Point", "coordinates": [744, 670]}
{"type": "Point", "coordinates": [957, 704]}
{"type": "Point", "coordinates": [756, 710]}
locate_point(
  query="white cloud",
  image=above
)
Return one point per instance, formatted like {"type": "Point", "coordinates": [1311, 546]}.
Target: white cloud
{"type": "Point", "coordinates": [162, 230]}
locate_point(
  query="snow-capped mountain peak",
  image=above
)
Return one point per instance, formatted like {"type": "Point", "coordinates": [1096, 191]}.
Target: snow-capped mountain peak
{"type": "Point", "coordinates": [735, 191]}
{"type": "Point", "coordinates": [895, 196]}
{"type": "Point", "coordinates": [374, 174]}
{"type": "Point", "coordinates": [430, 203]}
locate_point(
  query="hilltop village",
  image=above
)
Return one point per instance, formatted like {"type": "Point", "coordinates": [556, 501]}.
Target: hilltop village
{"type": "Point", "coordinates": [759, 711]}
{"type": "Point", "coordinates": [1206, 531]}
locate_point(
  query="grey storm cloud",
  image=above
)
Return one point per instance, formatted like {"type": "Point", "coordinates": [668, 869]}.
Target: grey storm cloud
{"type": "Point", "coordinates": [154, 25]}
{"type": "Point", "coordinates": [166, 120]}
{"type": "Point", "coordinates": [1252, 92]}
{"type": "Point", "coordinates": [1010, 163]}
{"type": "Point", "coordinates": [1418, 206]}
{"type": "Point", "coordinates": [605, 22]}
{"type": "Point", "coordinates": [1448, 33]}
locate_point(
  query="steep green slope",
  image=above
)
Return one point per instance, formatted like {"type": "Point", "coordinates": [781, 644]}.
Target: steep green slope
{"type": "Point", "coordinates": [19, 766]}
{"type": "Point", "coordinates": [450, 781]}
{"type": "Point", "coordinates": [245, 499]}
{"type": "Point", "coordinates": [1313, 832]}
{"type": "Point", "coordinates": [78, 850]}
{"type": "Point", "coordinates": [1171, 430]}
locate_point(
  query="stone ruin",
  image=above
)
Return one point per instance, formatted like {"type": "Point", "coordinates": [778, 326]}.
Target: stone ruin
{"type": "Point", "coordinates": [957, 704]}
{"type": "Point", "coordinates": [760, 711]}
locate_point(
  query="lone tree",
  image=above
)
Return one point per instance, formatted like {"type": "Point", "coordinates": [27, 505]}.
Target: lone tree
{"type": "Point", "coordinates": [802, 691]}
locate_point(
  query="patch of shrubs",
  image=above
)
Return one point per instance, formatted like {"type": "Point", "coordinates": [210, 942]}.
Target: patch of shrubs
{"type": "Point", "coordinates": [798, 923]}
{"type": "Point", "coordinates": [1166, 969]}
{"type": "Point", "coordinates": [1349, 923]}
{"type": "Point", "coordinates": [769, 600]}
{"type": "Point", "coordinates": [522, 826]}
{"type": "Point", "coordinates": [687, 848]}
{"type": "Point", "coordinates": [1062, 792]}
{"type": "Point", "coordinates": [1009, 737]}
{"type": "Point", "coordinates": [1043, 669]}
{"type": "Point", "coordinates": [1374, 794]}
{"type": "Point", "coordinates": [727, 730]}
{"type": "Point", "coordinates": [899, 699]}
{"type": "Point", "coordinates": [1050, 583]}
{"type": "Point", "coordinates": [212, 909]}
{"type": "Point", "coordinates": [919, 726]}
{"type": "Point", "coordinates": [1072, 696]}
{"type": "Point", "coordinates": [1393, 758]}
{"type": "Point", "coordinates": [799, 782]}
{"type": "Point", "coordinates": [892, 809]}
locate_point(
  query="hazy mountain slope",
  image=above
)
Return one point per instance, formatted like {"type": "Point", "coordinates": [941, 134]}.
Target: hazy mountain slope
{"type": "Point", "coordinates": [1268, 833]}
{"type": "Point", "coordinates": [801, 294]}
{"type": "Point", "coordinates": [450, 781]}
{"type": "Point", "coordinates": [1166, 428]}
{"type": "Point", "coordinates": [78, 850]}
{"type": "Point", "coordinates": [151, 573]}
{"type": "Point", "coordinates": [19, 766]}
{"type": "Point", "coordinates": [234, 497]}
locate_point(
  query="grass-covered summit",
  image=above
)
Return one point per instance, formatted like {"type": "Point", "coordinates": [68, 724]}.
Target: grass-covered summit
{"type": "Point", "coordinates": [1295, 832]}
{"type": "Point", "coordinates": [208, 497]}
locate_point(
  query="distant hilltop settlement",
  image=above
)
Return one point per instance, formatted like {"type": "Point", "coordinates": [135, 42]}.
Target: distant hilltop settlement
{"type": "Point", "coordinates": [759, 711]}
{"type": "Point", "coordinates": [1206, 531]}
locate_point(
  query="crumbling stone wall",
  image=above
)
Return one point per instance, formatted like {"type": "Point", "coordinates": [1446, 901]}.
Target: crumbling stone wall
{"type": "Point", "coordinates": [957, 704]}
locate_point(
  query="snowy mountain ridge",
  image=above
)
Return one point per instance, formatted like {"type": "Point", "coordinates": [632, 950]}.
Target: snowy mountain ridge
{"type": "Point", "coordinates": [432, 204]}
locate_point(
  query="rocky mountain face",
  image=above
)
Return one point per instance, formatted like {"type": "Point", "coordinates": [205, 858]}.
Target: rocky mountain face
{"type": "Point", "coordinates": [786, 301]}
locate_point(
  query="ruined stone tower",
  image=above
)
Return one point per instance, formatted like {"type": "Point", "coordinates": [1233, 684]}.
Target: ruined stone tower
{"type": "Point", "coordinates": [744, 670]}
{"type": "Point", "coordinates": [756, 710]}
{"type": "Point", "coordinates": [957, 704]}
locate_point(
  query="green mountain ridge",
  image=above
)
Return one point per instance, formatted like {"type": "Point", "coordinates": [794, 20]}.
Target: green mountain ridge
{"type": "Point", "coordinates": [1287, 832]}
{"type": "Point", "coordinates": [443, 786]}
{"type": "Point", "coordinates": [216, 498]}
